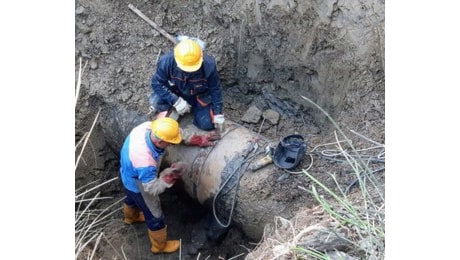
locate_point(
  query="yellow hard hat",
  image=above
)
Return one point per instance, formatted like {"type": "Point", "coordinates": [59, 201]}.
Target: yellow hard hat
{"type": "Point", "coordinates": [167, 129]}
{"type": "Point", "coordinates": [188, 55]}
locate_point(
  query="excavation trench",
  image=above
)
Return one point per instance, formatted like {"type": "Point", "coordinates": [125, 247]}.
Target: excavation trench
{"type": "Point", "coordinates": [269, 54]}
{"type": "Point", "coordinates": [220, 178]}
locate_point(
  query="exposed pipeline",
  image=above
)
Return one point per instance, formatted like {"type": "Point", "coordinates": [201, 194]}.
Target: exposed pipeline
{"type": "Point", "coordinates": [221, 178]}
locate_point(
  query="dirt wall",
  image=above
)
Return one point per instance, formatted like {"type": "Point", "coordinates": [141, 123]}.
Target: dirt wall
{"type": "Point", "coordinates": [329, 51]}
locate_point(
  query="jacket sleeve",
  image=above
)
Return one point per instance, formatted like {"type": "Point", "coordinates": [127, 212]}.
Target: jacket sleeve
{"type": "Point", "coordinates": [160, 84]}
{"type": "Point", "coordinates": [215, 88]}
{"type": "Point", "coordinates": [147, 174]}
{"type": "Point", "coordinates": [156, 186]}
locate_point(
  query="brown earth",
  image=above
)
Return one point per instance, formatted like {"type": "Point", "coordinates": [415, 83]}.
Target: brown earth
{"type": "Point", "coordinates": [269, 55]}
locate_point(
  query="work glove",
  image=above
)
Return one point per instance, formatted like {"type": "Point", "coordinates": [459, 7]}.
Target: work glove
{"type": "Point", "coordinates": [204, 140]}
{"type": "Point", "coordinates": [219, 122]}
{"type": "Point", "coordinates": [174, 172]}
{"type": "Point", "coordinates": [181, 106]}
{"type": "Point", "coordinates": [167, 178]}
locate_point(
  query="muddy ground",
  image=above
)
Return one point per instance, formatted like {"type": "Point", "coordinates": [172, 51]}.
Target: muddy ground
{"type": "Point", "coordinates": [269, 54]}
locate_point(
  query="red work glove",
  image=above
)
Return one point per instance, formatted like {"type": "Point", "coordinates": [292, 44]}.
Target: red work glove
{"type": "Point", "coordinates": [172, 174]}
{"type": "Point", "coordinates": [204, 140]}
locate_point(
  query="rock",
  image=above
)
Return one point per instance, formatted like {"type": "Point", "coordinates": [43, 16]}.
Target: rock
{"type": "Point", "coordinates": [93, 64]}
{"type": "Point", "coordinates": [124, 81]}
{"type": "Point", "coordinates": [80, 10]}
{"type": "Point", "coordinates": [313, 130]}
{"type": "Point", "coordinates": [324, 240]}
{"type": "Point", "coordinates": [252, 115]}
{"type": "Point", "coordinates": [271, 116]}
{"type": "Point", "coordinates": [283, 177]}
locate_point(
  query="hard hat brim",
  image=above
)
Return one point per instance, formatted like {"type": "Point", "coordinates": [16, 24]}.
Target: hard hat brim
{"type": "Point", "coordinates": [176, 140]}
{"type": "Point", "coordinates": [170, 122]}
{"type": "Point", "coordinates": [190, 68]}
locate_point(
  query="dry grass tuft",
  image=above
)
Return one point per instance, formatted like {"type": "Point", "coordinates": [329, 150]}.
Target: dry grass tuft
{"type": "Point", "coordinates": [89, 221]}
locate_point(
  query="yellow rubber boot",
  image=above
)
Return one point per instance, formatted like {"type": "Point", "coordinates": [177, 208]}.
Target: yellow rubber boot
{"type": "Point", "coordinates": [132, 215]}
{"type": "Point", "coordinates": [160, 244]}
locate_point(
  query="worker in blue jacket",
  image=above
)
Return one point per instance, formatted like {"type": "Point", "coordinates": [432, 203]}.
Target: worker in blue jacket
{"type": "Point", "coordinates": [140, 158]}
{"type": "Point", "coordinates": [187, 79]}
{"type": "Point", "coordinates": [142, 181]}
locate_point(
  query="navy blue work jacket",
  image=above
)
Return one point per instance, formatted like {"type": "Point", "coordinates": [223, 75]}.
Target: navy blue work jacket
{"type": "Point", "coordinates": [201, 87]}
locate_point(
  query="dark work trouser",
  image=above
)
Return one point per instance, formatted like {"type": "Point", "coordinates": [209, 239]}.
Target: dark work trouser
{"type": "Point", "coordinates": [202, 115]}
{"type": "Point", "coordinates": [134, 199]}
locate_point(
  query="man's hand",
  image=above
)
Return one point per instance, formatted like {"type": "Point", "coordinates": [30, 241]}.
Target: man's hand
{"type": "Point", "coordinates": [181, 106]}
{"type": "Point", "coordinates": [172, 174]}
{"type": "Point", "coordinates": [204, 140]}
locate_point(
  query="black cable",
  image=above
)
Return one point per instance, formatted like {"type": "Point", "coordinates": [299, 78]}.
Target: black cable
{"type": "Point", "coordinates": [246, 158]}
{"type": "Point", "coordinates": [355, 182]}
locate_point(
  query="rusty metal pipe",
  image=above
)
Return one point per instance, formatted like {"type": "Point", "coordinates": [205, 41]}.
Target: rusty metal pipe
{"type": "Point", "coordinates": [210, 167]}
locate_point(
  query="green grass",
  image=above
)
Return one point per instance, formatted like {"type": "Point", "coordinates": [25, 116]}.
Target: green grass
{"type": "Point", "coordinates": [367, 217]}
{"type": "Point", "coordinates": [355, 221]}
